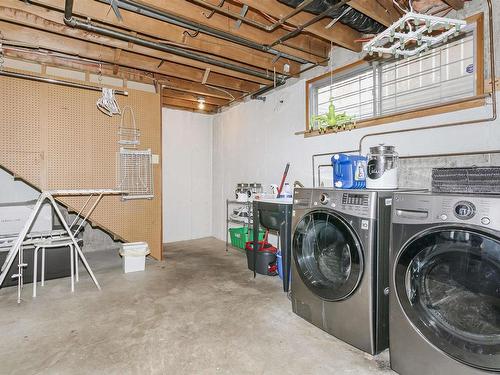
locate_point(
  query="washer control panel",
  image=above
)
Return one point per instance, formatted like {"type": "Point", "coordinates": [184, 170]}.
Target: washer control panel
{"type": "Point", "coordinates": [353, 202]}
{"type": "Point", "coordinates": [355, 199]}
{"type": "Point", "coordinates": [482, 210]}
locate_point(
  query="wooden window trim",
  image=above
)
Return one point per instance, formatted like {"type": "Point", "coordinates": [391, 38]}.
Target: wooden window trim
{"type": "Point", "coordinates": [472, 102]}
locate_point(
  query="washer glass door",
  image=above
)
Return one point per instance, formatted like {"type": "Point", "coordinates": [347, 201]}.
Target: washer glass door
{"type": "Point", "coordinates": [448, 284]}
{"type": "Point", "coordinates": [328, 255]}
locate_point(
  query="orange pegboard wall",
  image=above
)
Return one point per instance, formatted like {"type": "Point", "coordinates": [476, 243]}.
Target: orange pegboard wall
{"type": "Point", "coordinates": [54, 137]}
{"type": "Point", "coordinates": [21, 129]}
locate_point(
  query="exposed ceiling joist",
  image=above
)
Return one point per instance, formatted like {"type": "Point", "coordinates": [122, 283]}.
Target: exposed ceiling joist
{"type": "Point", "coordinates": [174, 44]}
{"type": "Point", "coordinates": [339, 34]}
{"type": "Point", "coordinates": [198, 88]}
{"type": "Point", "coordinates": [455, 4]}
{"type": "Point", "coordinates": [164, 31]}
{"type": "Point", "coordinates": [193, 97]}
{"type": "Point", "coordinates": [180, 85]}
{"type": "Point", "coordinates": [186, 104]}
{"type": "Point", "coordinates": [97, 52]}
{"type": "Point", "coordinates": [28, 17]}
{"type": "Point", "coordinates": [382, 11]}
{"type": "Point", "coordinates": [196, 13]}
{"type": "Point", "coordinates": [309, 48]}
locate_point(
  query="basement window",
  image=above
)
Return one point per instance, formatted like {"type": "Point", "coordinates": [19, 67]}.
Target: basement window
{"type": "Point", "coordinates": [443, 79]}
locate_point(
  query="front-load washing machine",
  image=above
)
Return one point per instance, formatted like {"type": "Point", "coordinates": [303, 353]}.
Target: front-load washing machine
{"type": "Point", "coordinates": [445, 284]}
{"type": "Point", "coordinates": [340, 250]}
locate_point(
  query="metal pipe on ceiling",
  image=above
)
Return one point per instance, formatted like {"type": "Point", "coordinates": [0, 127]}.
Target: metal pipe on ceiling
{"type": "Point", "coordinates": [258, 93]}
{"type": "Point", "coordinates": [161, 15]}
{"type": "Point", "coordinates": [250, 21]}
{"type": "Point", "coordinates": [76, 23]}
{"type": "Point", "coordinates": [492, 118]}
{"type": "Point", "coordinates": [56, 82]}
{"type": "Point", "coordinates": [313, 20]}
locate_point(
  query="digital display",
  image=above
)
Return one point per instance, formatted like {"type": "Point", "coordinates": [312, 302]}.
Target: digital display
{"type": "Point", "coordinates": [355, 199]}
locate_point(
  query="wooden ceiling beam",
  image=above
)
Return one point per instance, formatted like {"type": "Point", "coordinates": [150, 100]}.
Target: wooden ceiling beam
{"type": "Point", "coordinates": [455, 4]}
{"type": "Point", "coordinates": [312, 50]}
{"type": "Point", "coordinates": [339, 33]}
{"type": "Point", "coordinates": [193, 97]}
{"type": "Point", "coordinates": [196, 13]}
{"type": "Point", "coordinates": [167, 101]}
{"type": "Point", "coordinates": [199, 89]}
{"type": "Point", "coordinates": [86, 49]}
{"type": "Point", "coordinates": [164, 31]}
{"type": "Point", "coordinates": [381, 11]}
{"type": "Point", "coordinates": [24, 15]}
{"type": "Point", "coordinates": [180, 85]}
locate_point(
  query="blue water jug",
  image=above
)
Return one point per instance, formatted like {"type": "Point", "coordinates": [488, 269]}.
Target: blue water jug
{"type": "Point", "coordinates": [349, 171]}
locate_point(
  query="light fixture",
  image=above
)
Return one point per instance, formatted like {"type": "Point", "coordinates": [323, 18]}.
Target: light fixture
{"type": "Point", "coordinates": [412, 34]}
{"type": "Point", "coordinates": [201, 102]}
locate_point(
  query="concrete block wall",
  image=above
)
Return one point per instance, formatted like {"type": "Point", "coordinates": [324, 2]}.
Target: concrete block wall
{"type": "Point", "coordinates": [416, 173]}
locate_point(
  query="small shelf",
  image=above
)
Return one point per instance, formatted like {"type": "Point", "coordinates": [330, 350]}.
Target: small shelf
{"type": "Point", "coordinates": [239, 222]}
{"type": "Point", "coordinates": [229, 221]}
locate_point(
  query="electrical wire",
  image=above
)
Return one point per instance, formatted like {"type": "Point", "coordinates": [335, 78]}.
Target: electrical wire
{"type": "Point", "coordinates": [399, 6]}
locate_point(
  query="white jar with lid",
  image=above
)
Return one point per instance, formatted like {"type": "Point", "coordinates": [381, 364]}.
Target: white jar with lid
{"type": "Point", "coordinates": [382, 168]}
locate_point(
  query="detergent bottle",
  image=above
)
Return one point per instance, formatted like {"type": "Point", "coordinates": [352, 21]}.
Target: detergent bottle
{"type": "Point", "coordinates": [349, 171]}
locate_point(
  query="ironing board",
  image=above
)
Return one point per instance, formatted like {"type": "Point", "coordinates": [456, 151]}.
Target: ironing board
{"type": "Point", "coordinates": [49, 195]}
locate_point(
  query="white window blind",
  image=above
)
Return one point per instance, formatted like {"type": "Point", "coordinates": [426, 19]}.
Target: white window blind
{"type": "Point", "coordinates": [440, 75]}
{"type": "Point", "coordinates": [352, 95]}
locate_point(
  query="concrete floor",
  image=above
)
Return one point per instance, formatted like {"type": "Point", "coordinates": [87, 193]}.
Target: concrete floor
{"type": "Point", "coordinates": [198, 312]}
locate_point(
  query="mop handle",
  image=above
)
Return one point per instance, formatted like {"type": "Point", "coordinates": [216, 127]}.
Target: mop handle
{"type": "Point", "coordinates": [283, 178]}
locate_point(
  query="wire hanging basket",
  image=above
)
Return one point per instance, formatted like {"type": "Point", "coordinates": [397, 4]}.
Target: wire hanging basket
{"type": "Point", "coordinates": [128, 135]}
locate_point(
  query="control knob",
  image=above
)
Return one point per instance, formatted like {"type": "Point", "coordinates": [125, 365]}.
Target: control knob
{"type": "Point", "coordinates": [464, 210]}
{"type": "Point", "coordinates": [324, 198]}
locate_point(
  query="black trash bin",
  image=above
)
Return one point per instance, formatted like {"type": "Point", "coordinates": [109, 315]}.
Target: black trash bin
{"type": "Point", "coordinates": [265, 263]}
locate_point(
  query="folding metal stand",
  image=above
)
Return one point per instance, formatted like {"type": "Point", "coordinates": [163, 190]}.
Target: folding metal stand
{"type": "Point", "coordinates": [16, 248]}
{"type": "Point", "coordinates": [274, 215]}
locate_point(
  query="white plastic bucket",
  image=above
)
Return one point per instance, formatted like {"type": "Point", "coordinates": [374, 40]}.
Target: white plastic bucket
{"type": "Point", "coordinates": [134, 256]}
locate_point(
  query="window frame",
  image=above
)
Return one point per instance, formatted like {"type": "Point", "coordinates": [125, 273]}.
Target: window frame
{"type": "Point", "coordinates": [474, 101]}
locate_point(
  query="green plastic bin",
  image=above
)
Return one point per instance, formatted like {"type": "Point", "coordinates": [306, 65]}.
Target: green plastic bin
{"type": "Point", "coordinates": [241, 235]}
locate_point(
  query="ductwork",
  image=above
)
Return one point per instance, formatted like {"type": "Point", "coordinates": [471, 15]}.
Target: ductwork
{"type": "Point", "coordinates": [350, 17]}
{"type": "Point", "coordinates": [76, 23]}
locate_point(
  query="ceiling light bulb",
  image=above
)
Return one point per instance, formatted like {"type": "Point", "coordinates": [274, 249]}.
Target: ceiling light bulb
{"type": "Point", "coordinates": [201, 105]}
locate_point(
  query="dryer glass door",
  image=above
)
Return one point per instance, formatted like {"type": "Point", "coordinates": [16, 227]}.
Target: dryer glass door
{"type": "Point", "coordinates": [328, 255]}
{"type": "Point", "coordinates": [448, 283]}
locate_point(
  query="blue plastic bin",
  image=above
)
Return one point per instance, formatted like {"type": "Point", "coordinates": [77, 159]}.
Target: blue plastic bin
{"type": "Point", "coordinates": [349, 171]}
{"type": "Point", "coordinates": [279, 264]}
